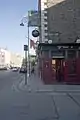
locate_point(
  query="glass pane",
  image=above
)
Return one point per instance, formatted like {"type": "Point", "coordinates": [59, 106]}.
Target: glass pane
{"type": "Point", "coordinates": [72, 67]}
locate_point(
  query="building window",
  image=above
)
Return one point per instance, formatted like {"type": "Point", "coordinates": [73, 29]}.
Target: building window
{"type": "Point", "coordinates": [46, 31]}
{"type": "Point", "coordinates": [45, 25]}
{"type": "Point", "coordinates": [46, 37]}
{"type": "Point", "coordinates": [45, 20]}
{"type": "Point", "coordinates": [45, 14]}
{"type": "Point", "coordinates": [45, 3]}
{"type": "Point", "coordinates": [62, 15]}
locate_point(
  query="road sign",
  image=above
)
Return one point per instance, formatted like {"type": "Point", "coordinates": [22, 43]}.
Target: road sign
{"type": "Point", "coordinates": [33, 18]}
{"type": "Point", "coordinates": [25, 47]}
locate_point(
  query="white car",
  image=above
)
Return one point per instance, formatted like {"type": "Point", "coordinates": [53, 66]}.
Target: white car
{"type": "Point", "coordinates": [15, 69]}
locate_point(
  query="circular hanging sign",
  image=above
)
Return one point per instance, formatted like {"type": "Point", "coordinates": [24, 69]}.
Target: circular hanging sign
{"type": "Point", "coordinates": [35, 33]}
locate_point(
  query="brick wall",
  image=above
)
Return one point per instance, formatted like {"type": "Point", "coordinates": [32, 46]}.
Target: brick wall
{"type": "Point", "coordinates": [63, 18]}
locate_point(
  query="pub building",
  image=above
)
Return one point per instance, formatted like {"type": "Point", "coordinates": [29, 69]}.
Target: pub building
{"type": "Point", "coordinates": [59, 63]}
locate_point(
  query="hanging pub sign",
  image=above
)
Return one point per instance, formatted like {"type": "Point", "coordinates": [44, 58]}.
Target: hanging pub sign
{"type": "Point", "coordinates": [35, 33]}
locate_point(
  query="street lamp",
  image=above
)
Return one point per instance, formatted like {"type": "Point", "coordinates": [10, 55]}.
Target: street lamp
{"type": "Point", "coordinates": [30, 22]}
{"type": "Point", "coordinates": [22, 24]}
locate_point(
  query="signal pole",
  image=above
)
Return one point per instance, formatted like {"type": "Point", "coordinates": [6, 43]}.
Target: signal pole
{"type": "Point", "coordinates": [28, 45]}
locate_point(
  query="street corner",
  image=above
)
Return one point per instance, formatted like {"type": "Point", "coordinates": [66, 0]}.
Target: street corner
{"type": "Point", "coordinates": [24, 87]}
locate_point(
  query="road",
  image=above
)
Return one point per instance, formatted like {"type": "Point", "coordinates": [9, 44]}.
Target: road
{"type": "Point", "coordinates": [7, 78]}
{"type": "Point", "coordinates": [8, 92]}
{"type": "Point", "coordinates": [16, 104]}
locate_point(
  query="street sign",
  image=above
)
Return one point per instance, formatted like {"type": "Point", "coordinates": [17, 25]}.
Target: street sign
{"type": "Point", "coordinates": [33, 18]}
{"type": "Point", "coordinates": [25, 47]}
{"type": "Point", "coordinates": [35, 33]}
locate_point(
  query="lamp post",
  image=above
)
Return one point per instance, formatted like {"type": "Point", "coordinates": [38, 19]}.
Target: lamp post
{"type": "Point", "coordinates": [28, 44]}
{"type": "Point", "coordinates": [22, 24]}
{"type": "Point", "coordinates": [31, 22]}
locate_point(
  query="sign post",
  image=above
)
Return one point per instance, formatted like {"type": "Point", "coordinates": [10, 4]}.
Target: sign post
{"type": "Point", "coordinates": [25, 49]}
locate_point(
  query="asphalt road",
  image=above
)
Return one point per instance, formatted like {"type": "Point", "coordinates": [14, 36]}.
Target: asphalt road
{"type": "Point", "coordinates": [16, 104]}
{"type": "Point", "coordinates": [8, 78]}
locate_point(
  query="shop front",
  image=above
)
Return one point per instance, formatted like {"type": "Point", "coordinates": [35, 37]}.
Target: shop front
{"type": "Point", "coordinates": [59, 63]}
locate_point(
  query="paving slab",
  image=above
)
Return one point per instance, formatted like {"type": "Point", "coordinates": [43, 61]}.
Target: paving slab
{"type": "Point", "coordinates": [67, 108]}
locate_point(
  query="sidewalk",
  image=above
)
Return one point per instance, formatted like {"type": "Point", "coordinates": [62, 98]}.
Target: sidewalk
{"type": "Point", "coordinates": [61, 102]}
{"type": "Point", "coordinates": [35, 84]}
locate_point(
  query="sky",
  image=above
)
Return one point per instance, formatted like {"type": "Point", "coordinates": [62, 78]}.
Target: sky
{"type": "Point", "coordinates": [12, 35]}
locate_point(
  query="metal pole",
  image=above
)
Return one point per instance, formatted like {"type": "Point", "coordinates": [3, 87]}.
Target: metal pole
{"type": "Point", "coordinates": [28, 45]}
{"type": "Point", "coordinates": [26, 67]}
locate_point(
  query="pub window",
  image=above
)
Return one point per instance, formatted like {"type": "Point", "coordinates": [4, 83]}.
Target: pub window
{"type": "Point", "coordinates": [71, 54]}
{"type": "Point", "coordinates": [72, 67]}
{"type": "Point", "coordinates": [79, 53]}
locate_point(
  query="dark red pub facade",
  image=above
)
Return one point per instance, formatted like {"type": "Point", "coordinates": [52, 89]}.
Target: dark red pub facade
{"type": "Point", "coordinates": [59, 62]}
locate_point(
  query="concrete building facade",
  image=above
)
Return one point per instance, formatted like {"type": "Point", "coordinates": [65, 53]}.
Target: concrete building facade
{"type": "Point", "coordinates": [4, 57]}
{"type": "Point", "coordinates": [62, 18]}
{"type": "Point", "coordinates": [16, 60]}
{"type": "Point", "coordinates": [43, 21]}
{"type": "Point", "coordinates": [8, 59]}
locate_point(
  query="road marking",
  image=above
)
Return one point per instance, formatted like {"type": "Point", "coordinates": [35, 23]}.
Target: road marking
{"type": "Point", "coordinates": [15, 85]}
{"type": "Point", "coordinates": [73, 99]}
{"type": "Point", "coordinates": [14, 88]}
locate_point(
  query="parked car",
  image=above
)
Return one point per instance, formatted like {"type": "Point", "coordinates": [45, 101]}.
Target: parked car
{"type": "Point", "coordinates": [14, 69]}
{"type": "Point", "coordinates": [3, 68]}
{"type": "Point", "coordinates": [23, 70]}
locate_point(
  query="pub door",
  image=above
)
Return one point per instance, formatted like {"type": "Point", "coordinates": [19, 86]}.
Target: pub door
{"type": "Point", "coordinates": [58, 70]}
